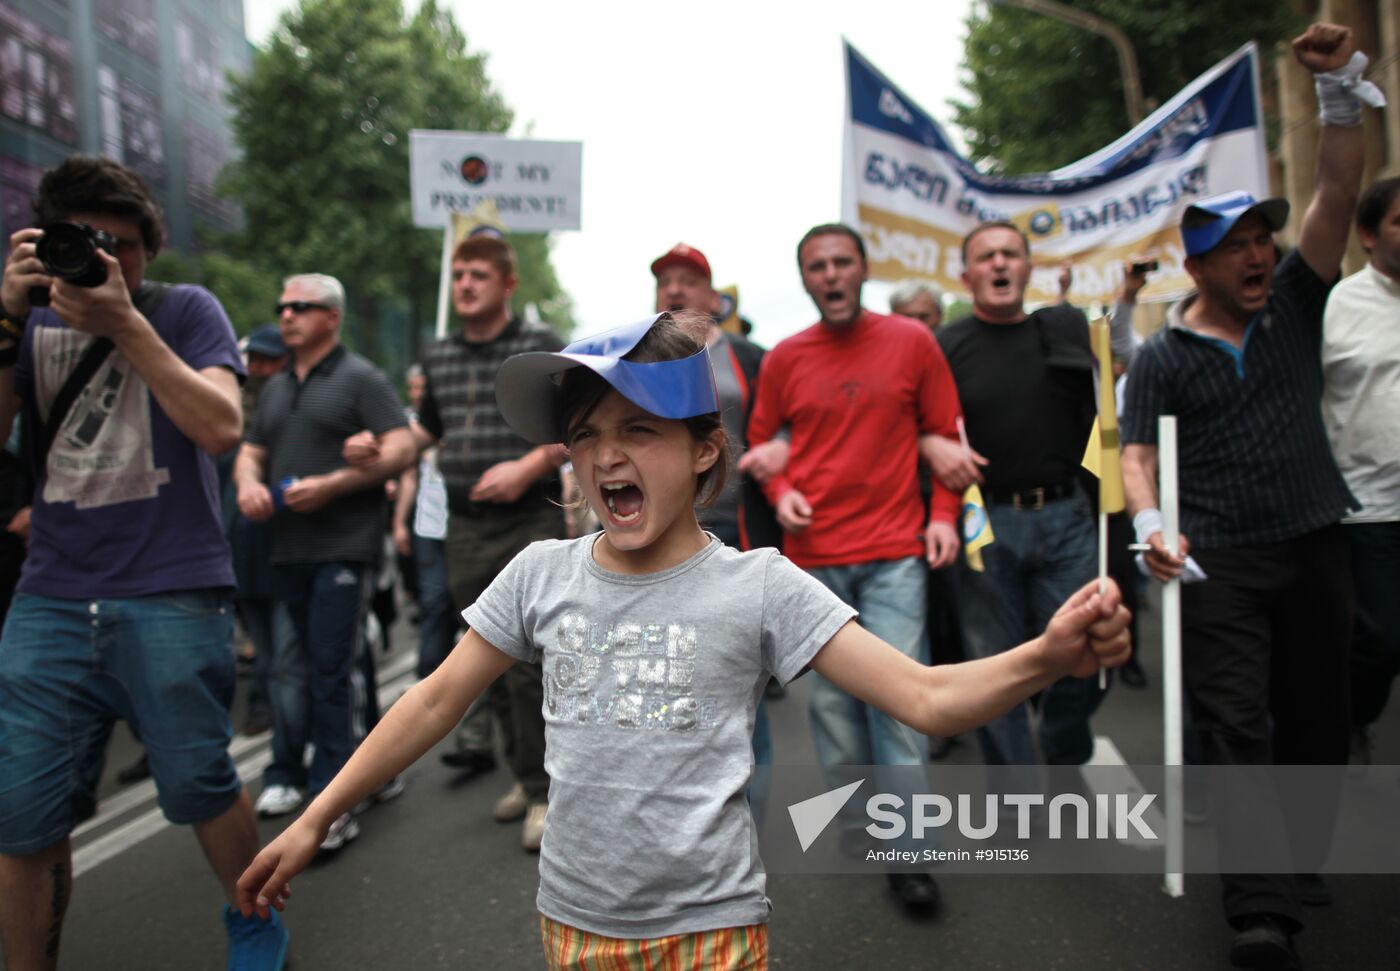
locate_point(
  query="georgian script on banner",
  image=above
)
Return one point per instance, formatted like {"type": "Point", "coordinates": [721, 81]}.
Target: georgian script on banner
{"type": "Point", "coordinates": [913, 196]}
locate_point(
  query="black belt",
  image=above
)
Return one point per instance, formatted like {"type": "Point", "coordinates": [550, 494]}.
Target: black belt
{"type": "Point", "coordinates": [1033, 498]}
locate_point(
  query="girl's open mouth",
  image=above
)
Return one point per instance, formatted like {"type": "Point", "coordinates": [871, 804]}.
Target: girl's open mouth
{"type": "Point", "coordinates": [624, 501]}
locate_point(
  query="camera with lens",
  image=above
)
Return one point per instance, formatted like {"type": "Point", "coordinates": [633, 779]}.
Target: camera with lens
{"type": "Point", "coordinates": [69, 252]}
{"type": "Point", "coordinates": [1145, 267]}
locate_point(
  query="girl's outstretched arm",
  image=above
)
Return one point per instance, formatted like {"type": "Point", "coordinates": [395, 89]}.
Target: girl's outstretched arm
{"type": "Point", "coordinates": [417, 722]}
{"type": "Point", "coordinates": [1088, 631]}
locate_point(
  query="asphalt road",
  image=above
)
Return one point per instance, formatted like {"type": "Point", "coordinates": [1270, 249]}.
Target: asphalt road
{"type": "Point", "coordinates": [434, 882]}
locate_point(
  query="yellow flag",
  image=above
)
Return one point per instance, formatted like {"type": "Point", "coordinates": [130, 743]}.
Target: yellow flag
{"type": "Point", "coordinates": [1102, 456]}
{"type": "Point", "coordinates": [728, 315]}
{"type": "Point", "coordinates": [976, 527]}
{"type": "Point", "coordinates": [484, 220]}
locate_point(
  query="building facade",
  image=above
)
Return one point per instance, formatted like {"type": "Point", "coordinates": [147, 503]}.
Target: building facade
{"type": "Point", "coordinates": [140, 81]}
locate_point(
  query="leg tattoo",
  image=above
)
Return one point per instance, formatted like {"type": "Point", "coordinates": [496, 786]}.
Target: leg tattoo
{"type": "Point", "coordinates": [61, 878]}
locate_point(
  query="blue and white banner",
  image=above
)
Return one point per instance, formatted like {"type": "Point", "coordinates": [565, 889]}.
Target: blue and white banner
{"type": "Point", "coordinates": [913, 196]}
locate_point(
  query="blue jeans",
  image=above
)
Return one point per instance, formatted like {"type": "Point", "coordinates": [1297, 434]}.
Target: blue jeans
{"type": "Point", "coordinates": [438, 624]}
{"type": "Point", "coordinates": [1375, 645]}
{"type": "Point", "coordinates": [327, 603]}
{"type": "Point", "coordinates": [289, 689]}
{"type": "Point", "coordinates": [1037, 559]}
{"type": "Point", "coordinates": [762, 735]}
{"type": "Point", "coordinates": [890, 595]}
{"type": "Point", "coordinates": [257, 621]}
{"type": "Point", "coordinates": [68, 667]}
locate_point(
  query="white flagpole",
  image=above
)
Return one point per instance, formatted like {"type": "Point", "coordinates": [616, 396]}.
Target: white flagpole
{"type": "Point", "coordinates": [1103, 579]}
{"type": "Point", "coordinates": [444, 281]}
{"type": "Point", "coordinates": [1101, 313]}
{"type": "Point", "coordinates": [1173, 883]}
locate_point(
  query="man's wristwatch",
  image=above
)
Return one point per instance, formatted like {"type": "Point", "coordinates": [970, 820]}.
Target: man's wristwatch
{"type": "Point", "coordinates": [10, 324]}
{"type": "Point", "coordinates": [13, 328]}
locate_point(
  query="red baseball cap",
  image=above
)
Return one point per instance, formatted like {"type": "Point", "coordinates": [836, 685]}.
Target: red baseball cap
{"type": "Point", "coordinates": [684, 255]}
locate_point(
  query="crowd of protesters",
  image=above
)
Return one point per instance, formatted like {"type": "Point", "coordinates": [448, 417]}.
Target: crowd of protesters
{"type": "Point", "coordinates": [853, 443]}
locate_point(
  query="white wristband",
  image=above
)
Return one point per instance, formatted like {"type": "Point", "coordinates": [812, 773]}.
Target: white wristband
{"type": "Point", "coordinates": [1340, 93]}
{"type": "Point", "coordinates": [1146, 523]}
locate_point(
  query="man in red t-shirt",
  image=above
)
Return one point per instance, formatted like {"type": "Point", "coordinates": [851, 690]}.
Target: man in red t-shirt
{"type": "Point", "coordinates": [860, 393]}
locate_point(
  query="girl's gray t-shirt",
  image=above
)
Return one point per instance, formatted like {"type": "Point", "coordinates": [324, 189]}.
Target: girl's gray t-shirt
{"type": "Point", "coordinates": [650, 687]}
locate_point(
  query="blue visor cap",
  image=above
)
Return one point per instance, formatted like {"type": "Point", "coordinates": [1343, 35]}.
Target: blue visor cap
{"type": "Point", "coordinates": [527, 386]}
{"type": "Point", "coordinates": [1206, 223]}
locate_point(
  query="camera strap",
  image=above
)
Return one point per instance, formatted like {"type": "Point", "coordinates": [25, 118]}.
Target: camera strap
{"type": "Point", "coordinates": [146, 300]}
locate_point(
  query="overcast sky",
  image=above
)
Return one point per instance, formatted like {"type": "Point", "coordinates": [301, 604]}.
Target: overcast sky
{"type": "Point", "coordinates": [716, 124]}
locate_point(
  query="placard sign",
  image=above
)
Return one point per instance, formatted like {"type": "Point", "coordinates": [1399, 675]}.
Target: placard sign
{"type": "Point", "coordinates": [536, 185]}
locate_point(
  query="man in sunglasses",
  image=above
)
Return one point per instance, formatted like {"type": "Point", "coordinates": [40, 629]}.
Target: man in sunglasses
{"type": "Point", "coordinates": [327, 537]}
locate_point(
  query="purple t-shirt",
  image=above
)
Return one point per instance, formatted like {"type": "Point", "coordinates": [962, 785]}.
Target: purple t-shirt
{"type": "Point", "coordinates": [126, 505]}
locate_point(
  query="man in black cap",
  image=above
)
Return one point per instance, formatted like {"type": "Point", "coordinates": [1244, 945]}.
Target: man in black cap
{"type": "Point", "coordinates": [252, 550]}
{"type": "Point", "coordinates": [1264, 645]}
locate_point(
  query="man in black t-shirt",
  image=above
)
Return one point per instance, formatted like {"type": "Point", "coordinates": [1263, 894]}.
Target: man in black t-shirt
{"type": "Point", "coordinates": [1027, 394]}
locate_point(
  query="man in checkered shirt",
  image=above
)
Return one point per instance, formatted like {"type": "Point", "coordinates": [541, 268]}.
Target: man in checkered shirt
{"type": "Point", "coordinates": [501, 495]}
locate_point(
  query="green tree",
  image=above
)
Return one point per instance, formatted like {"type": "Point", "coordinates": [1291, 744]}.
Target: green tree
{"type": "Point", "coordinates": [1042, 93]}
{"type": "Point", "coordinates": [247, 292]}
{"type": "Point", "coordinates": [322, 119]}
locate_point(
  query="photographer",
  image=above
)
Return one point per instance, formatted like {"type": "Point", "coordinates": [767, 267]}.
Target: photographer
{"type": "Point", "coordinates": [124, 604]}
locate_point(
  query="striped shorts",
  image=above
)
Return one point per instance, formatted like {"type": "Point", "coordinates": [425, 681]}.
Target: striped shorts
{"type": "Point", "coordinates": [727, 949]}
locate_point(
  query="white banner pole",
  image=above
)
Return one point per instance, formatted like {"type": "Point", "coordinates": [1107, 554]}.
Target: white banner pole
{"type": "Point", "coordinates": [444, 283]}
{"type": "Point", "coordinates": [1174, 883]}
{"type": "Point", "coordinates": [1103, 577]}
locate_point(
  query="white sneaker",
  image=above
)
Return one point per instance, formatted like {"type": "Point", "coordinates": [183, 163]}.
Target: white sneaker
{"type": "Point", "coordinates": [278, 801]}
{"type": "Point", "coordinates": [342, 831]}
{"type": "Point", "coordinates": [389, 790]}
{"type": "Point", "coordinates": [512, 805]}
{"type": "Point", "coordinates": [532, 833]}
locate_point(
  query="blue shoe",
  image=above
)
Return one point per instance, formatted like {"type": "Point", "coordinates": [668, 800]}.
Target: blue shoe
{"type": "Point", "coordinates": [255, 944]}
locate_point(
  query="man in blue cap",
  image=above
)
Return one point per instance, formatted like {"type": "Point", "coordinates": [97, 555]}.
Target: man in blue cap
{"type": "Point", "coordinates": [1265, 637]}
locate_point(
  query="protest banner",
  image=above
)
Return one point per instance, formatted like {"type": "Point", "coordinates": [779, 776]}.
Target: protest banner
{"type": "Point", "coordinates": [913, 196]}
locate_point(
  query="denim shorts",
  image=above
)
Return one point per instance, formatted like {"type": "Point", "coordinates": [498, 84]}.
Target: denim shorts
{"type": "Point", "coordinates": [68, 667]}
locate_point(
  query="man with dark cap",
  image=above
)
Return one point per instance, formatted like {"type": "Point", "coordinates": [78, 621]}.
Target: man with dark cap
{"type": "Point", "coordinates": [252, 549]}
{"type": "Point", "coordinates": [1264, 642]}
